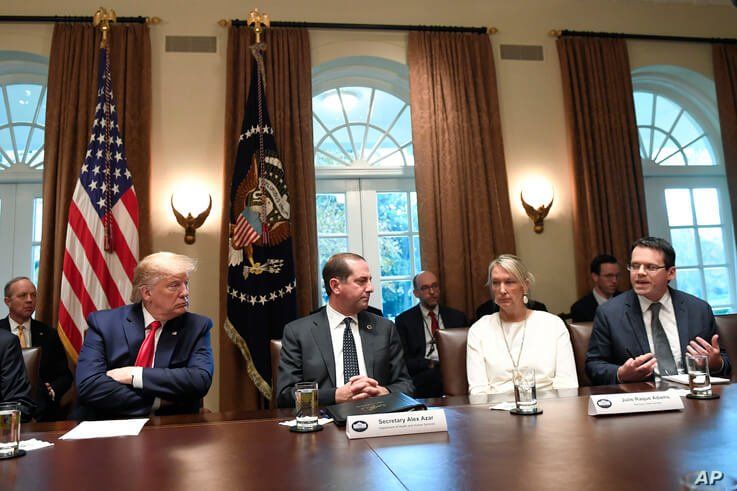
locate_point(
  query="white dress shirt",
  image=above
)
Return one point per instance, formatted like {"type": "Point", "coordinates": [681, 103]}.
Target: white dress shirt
{"type": "Point", "coordinates": [427, 326]}
{"type": "Point", "coordinates": [547, 349]}
{"type": "Point", "coordinates": [667, 318]}
{"type": "Point", "coordinates": [337, 328]}
{"type": "Point", "coordinates": [26, 330]}
{"type": "Point", "coordinates": [600, 299]}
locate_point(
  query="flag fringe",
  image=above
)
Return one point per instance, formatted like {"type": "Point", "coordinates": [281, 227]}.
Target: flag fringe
{"type": "Point", "coordinates": [263, 387]}
{"type": "Point", "coordinates": [68, 347]}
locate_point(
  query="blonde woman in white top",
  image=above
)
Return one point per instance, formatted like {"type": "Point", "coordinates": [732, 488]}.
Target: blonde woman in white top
{"type": "Point", "coordinates": [517, 337]}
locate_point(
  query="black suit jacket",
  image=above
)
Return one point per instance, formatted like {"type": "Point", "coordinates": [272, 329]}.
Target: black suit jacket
{"type": "Point", "coordinates": [585, 308]}
{"type": "Point", "coordinates": [53, 370]}
{"type": "Point", "coordinates": [411, 330]}
{"type": "Point", "coordinates": [488, 308]}
{"type": "Point", "coordinates": [14, 385]}
{"type": "Point", "coordinates": [619, 333]}
{"type": "Point", "coordinates": [307, 356]}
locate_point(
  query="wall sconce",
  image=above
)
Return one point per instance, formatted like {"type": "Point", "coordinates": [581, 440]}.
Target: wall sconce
{"type": "Point", "coordinates": [190, 203]}
{"type": "Point", "coordinates": [537, 199]}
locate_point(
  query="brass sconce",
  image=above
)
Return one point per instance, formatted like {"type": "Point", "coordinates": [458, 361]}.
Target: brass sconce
{"type": "Point", "coordinates": [191, 223]}
{"type": "Point", "coordinates": [537, 199]}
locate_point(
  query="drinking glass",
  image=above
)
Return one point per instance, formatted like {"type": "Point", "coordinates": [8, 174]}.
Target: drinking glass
{"type": "Point", "coordinates": [305, 397]}
{"type": "Point", "coordinates": [9, 429]}
{"type": "Point", "coordinates": [698, 375]}
{"type": "Point", "coordinates": [525, 393]}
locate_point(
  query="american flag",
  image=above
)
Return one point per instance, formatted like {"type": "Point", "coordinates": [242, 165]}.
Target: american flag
{"type": "Point", "coordinates": [102, 236]}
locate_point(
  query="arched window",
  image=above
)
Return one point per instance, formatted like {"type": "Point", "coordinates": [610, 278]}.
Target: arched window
{"type": "Point", "coordinates": [22, 118]}
{"type": "Point", "coordinates": [685, 183]}
{"type": "Point", "coordinates": [366, 200]}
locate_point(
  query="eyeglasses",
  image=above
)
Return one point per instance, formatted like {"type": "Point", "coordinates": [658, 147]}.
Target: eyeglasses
{"type": "Point", "coordinates": [650, 268]}
{"type": "Point", "coordinates": [427, 288]}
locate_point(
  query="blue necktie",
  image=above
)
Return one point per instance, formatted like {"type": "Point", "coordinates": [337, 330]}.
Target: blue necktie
{"type": "Point", "coordinates": [350, 357]}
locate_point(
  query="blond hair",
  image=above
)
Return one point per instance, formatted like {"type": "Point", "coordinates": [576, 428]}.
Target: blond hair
{"type": "Point", "coordinates": [154, 267]}
{"type": "Point", "coordinates": [514, 266]}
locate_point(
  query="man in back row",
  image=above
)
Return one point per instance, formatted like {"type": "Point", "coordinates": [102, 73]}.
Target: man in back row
{"type": "Point", "coordinates": [418, 329]}
{"type": "Point", "coordinates": [54, 376]}
{"type": "Point", "coordinates": [645, 330]}
{"type": "Point", "coordinates": [351, 354]}
{"type": "Point", "coordinates": [604, 275]}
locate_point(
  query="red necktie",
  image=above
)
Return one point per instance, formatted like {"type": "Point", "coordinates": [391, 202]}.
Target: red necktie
{"type": "Point", "coordinates": [146, 353]}
{"type": "Point", "coordinates": [434, 325]}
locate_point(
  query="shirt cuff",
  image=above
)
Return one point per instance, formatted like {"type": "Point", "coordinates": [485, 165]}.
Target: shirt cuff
{"type": "Point", "coordinates": [137, 374]}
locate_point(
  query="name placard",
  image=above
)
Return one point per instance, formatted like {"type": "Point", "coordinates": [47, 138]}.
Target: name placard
{"type": "Point", "coordinates": [390, 424]}
{"type": "Point", "coordinates": [640, 402]}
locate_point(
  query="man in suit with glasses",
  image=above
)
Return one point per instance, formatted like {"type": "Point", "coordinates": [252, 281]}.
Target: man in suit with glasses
{"type": "Point", "coordinates": [647, 330]}
{"type": "Point", "coordinates": [418, 329]}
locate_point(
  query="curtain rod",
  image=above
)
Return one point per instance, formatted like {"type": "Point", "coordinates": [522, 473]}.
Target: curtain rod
{"type": "Point", "coordinates": [60, 18]}
{"type": "Point", "coordinates": [368, 27]}
{"type": "Point", "coordinates": [643, 37]}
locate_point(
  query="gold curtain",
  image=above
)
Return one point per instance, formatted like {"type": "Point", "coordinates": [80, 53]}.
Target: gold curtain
{"type": "Point", "coordinates": [289, 99]}
{"type": "Point", "coordinates": [70, 108]}
{"type": "Point", "coordinates": [461, 178]}
{"type": "Point", "coordinates": [608, 192]}
{"type": "Point", "coordinates": [725, 77]}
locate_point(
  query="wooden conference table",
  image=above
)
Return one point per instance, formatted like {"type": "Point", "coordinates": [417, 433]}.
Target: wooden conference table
{"type": "Point", "coordinates": [563, 448]}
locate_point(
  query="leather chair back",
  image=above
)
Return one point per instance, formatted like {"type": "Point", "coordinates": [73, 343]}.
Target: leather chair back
{"type": "Point", "coordinates": [32, 361]}
{"type": "Point", "coordinates": [727, 328]}
{"type": "Point", "coordinates": [452, 354]}
{"type": "Point", "coordinates": [275, 350]}
{"type": "Point", "coordinates": [580, 333]}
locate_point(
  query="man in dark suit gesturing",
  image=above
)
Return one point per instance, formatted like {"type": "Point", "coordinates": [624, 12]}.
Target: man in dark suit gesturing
{"type": "Point", "coordinates": [418, 328]}
{"type": "Point", "coordinates": [152, 355]}
{"type": "Point", "coordinates": [649, 328]}
{"type": "Point", "coordinates": [54, 375]}
{"type": "Point", "coordinates": [350, 353]}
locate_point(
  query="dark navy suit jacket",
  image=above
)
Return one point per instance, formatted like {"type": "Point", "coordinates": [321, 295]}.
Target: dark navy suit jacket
{"type": "Point", "coordinates": [181, 375]}
{"type": "Point", "coordinates": [14, 385]}
{"type": "Point", "coordinates": [619, 333]}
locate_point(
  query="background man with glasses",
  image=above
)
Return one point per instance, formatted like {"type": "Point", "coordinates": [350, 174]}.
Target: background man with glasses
{"type": "Point", "coordinates": [604, 276]}
{"type": "Point", "coordinates": [650, 328]}
{"type": "Point", "coordinates": [418, 327]}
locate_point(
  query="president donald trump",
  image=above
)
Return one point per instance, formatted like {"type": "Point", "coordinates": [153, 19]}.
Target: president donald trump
{"type": "Point", "coordinates": [150, 356]}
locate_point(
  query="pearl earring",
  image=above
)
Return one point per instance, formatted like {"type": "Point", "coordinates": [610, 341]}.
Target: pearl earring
{"type": "Point", "coordinates": [525, 298]}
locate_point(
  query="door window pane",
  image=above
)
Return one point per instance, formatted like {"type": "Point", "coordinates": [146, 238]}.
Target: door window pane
{"type": "Point", "coordinates": [394, 254]}
{"type": "Point", "coordinates": [712, 245]}
{"type": "Point", "coordinates": [392, 212]}
{"type": "Point", "coordinates": [331, 213]}
{"type": "Point", "coordinates": [683, 241]}
{"type": "Point", "coordinates": [397, 297]}
{"type": "Point", "coordinates": [689, 280]}
{"type": "Point", "coordinates": [706, 202]}
{"type": "Point", "coordinates": [717, 286]}
{"type": "Point", "coordinates": [678, 205]}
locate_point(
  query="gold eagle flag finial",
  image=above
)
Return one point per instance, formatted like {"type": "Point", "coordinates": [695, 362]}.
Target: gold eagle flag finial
{"type": "Point", "coordinates": [258, 22]}
{"type": "Point", "coordinates": [102, 19]}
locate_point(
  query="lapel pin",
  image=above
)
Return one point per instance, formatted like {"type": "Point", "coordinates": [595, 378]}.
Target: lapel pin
{"type": "Point", "coordinates": [174, 333]}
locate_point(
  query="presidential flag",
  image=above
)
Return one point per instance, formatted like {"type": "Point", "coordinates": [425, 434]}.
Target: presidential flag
{"type": "Point", "coordinates": [102, 235]}
{"type": "Point", "coordinates": [261, 281]}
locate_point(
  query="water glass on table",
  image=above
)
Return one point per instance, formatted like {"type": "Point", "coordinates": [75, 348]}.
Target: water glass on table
{"type": "Point", "coordinates": [525, 393]}
{"type": "Point", "coordinates": [698, 375]}
{"type": "Point", "coordinates": [306, 410]}
{"type": "Point", "coordinates": [10, 415]}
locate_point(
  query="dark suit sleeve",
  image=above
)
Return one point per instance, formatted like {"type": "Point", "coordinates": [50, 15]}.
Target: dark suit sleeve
{"type": "Point", "coordinates": [14, 385]}
{"type": "Point", "coordinates": [188, 382]}
{"type": "Point", "coordinates": [291, 369]}
{"type": "Point", "coordinates": [400, 379]}
{"type": "Point", "coordinates": [598, 365]}
{"type": "Point", "coordinates": [96, 389]}
{"type": "Point", "coordinates": [57, 371]}
{"type": "Point", "coordinates": [415, 360]}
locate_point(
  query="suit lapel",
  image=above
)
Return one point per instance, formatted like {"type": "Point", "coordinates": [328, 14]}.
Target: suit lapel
{"type": "Point", "coordinates": [636, 324]}
{"type": "Point", "coordinates": [167, 342]}
{"type": "Point", "coordinates": [324, 342]}
{"type": "Point", "coordinates": [133, 329]}
{"type": "Point", "coordinates": [681, 313]}
{"type": "Point", "coordinates": [37, 335]}
{"type": "Point", "coordinates": [366, 331]}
